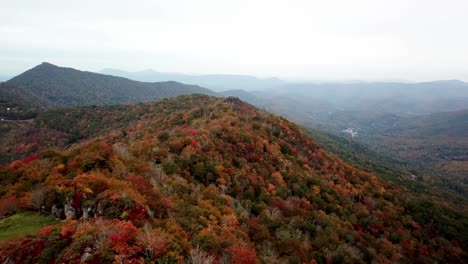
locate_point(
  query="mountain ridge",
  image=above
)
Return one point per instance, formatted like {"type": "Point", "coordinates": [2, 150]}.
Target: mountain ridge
{"type": "Point", "coordinates": [66, 87]}
{"type": "Point", "coordinates": [216, 82]}
{"type": "Point", "coordinates": [215, 178]}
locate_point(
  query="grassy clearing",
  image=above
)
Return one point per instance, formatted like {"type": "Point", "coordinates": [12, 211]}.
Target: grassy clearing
{"type": "Point", "coordinates": [23, 224]}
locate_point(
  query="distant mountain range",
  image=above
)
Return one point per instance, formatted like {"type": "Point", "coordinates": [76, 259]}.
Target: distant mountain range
{"type": "Point", "coordinates": [58, 87]}
{"type": "Point", "coordinates": [215, 82]}
{"type": "Point", "coordinates": [64, 87]}
{"type": "Point", "coordinates": [391, 118]}
{"type": "Point", "coordinates": [320, 98]}
{"type": "Point", "coordinates": [399, 98]}
{"type": "Point", "coordinates": [315, 104]}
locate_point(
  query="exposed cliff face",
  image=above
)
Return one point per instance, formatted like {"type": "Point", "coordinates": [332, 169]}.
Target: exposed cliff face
{"type": "Point", "coordinates": [197, 177]}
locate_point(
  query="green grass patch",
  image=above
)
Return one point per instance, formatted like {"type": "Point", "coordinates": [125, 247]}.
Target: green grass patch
{"type": "Point", "coordinates": [23, 224]}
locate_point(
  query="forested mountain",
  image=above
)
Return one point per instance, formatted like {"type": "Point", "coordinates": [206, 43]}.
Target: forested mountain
{"type": "Point", "coordinates": [435, 145]}
{"type": "Point", "coordinates": [417, 174]}
{"type": "Point", "coordinates": [199, 179]}
{"type": "Point", "coordinates": [401, 121]}
{"type": "Point", "coordinates": [18, 97]}
{"type": "Point", "coordinates": [17, 104]}
{"type": "Point", "coordinates": [65, 87]}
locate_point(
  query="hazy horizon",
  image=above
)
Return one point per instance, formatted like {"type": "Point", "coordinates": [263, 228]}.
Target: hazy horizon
{"type": "Point", "coordinates": [295, 40]}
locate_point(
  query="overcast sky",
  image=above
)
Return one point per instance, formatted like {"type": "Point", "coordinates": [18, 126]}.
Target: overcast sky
{"type": "Point", "coordinates": [310, 39]}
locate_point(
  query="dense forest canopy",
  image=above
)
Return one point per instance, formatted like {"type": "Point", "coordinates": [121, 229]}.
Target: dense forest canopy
{"type": "Point", "coordinates": [58, 87]}
{"type": "Point", "coordinates": [204, 180]}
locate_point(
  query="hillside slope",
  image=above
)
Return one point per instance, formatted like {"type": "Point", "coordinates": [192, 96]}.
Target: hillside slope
{"type": "Point", "coordinates": [435, 146]}
{"type": "Point", "coordinates": [15, 105]}
{"type": "Point", "coordinates": [66, 87]}
{"type": "Point", "coordinates": [11, 97]}
{"type": "Point", "coordinates": [416, 178]}
{"type": "Point", "coordinates": [197, 178]}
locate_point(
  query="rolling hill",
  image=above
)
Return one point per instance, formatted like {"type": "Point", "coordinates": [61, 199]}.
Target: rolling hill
{"type": "Point", "coordinates": [61, 87]}
{"type": "Point", "coordinates": [213, 180]}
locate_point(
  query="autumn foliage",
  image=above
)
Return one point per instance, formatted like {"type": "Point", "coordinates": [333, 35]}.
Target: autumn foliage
{"type": "Point", "coordinates": [211, 179]}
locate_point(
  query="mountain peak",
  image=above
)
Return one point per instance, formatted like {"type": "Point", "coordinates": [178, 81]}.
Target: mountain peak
{"type": "Point", "coordinates": [68, 87]}
{"type": "Point", "coordinates": [46, 64]}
